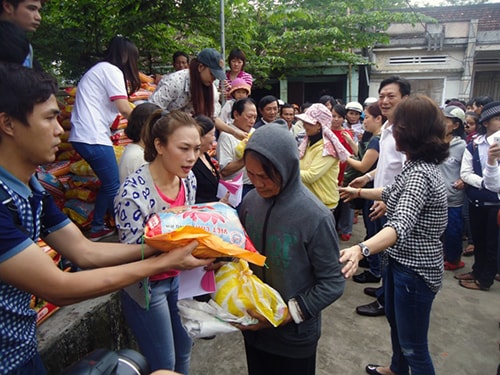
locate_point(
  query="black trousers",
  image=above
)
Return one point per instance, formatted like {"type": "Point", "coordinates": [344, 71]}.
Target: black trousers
{"type": "Point", "coordinates": [263, 363]}
{"type": "Point", "coordinates": [484, 228]}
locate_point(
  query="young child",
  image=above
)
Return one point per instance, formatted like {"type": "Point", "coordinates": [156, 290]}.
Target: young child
{"type": "Point", "coordinates": [239, 90]}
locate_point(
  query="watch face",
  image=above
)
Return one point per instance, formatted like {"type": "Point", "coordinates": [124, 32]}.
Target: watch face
{"type": "Point", "coordinates": [364, 250]}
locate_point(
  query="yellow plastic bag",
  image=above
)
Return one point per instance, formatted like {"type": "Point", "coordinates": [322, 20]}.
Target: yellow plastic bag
{"type": "Point", "coordinates": [239, 290]}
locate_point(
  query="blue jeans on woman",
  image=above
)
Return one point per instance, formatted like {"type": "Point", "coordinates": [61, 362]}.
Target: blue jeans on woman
{"type": "Point", "coordinates": [33, 366]}
{"type": "Point", "coordinates": [408, 302]}
{"type": "Point", "coordinates": [102, 160]}
{"type": "Point", "coordinates": [453, 235]}
{"type": "Point", "coordinates": [371, 230]}
{"type": "Point", "coordinates": [159, 332]}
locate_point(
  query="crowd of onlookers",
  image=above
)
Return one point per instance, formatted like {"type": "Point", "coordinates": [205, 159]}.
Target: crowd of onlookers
{"type": "Point", "coordinates": [422, 177]}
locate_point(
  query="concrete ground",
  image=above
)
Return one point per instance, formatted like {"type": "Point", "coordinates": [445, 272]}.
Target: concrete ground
{"type": "Point", "coordinates": [464, 335]}
{"type": "Point", "coordinates": [463, 339]}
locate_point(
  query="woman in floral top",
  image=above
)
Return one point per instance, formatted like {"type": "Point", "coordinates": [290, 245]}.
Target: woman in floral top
{"type": "Point", "coordinates": [416, 219]}
{"type": "Point", "coordinates": [171, 147]}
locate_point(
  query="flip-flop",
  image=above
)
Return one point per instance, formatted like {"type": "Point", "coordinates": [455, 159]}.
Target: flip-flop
{"type": "Point", "coordinates": [465, 276]}
{"type": "Point", "coordinates": [472, 285]}
{"type": "Point", "coordinates": [469, 251]}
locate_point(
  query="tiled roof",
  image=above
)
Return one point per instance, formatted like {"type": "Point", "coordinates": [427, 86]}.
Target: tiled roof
{"type": "Point", "coordinates": [487, 14]}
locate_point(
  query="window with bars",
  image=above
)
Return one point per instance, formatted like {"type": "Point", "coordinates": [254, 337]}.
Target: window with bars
{"type": "Point", "coordinates": [420, 60]}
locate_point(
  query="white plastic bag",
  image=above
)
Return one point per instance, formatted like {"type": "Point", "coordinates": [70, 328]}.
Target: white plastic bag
{"type": "Point", "coordinates": [205, 319]}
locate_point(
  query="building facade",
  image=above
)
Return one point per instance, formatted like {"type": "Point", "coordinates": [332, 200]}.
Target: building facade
{"type": "Point", "coordinates": [455, 56]}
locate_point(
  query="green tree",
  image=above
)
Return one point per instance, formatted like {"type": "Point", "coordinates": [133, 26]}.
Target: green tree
{"type": "Point", "coordinates": [278, 36]}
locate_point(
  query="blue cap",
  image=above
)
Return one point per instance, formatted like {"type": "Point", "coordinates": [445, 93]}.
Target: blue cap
{"type": "Point", "coordinates": [213, 60]}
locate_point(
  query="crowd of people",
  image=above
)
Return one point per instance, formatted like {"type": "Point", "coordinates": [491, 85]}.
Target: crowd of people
{"type": "Point", "coordinates": [424, 178]}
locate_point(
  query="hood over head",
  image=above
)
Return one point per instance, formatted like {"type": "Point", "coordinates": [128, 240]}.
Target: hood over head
{"type": "Point", "coordinates": [276, 143]}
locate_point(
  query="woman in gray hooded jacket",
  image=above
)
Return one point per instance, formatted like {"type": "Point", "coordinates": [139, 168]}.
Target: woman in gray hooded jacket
{"type": "Point", "coordinates": [296, 232]}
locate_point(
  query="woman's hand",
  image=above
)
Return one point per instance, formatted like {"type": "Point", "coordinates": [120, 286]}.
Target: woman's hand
{"type": "Point", "coordinates": [348, 193]}
{"type": "Point", "coordinates": [458, 184]}
{"type": "Point", "coordinates": [494, 153]}
{"type": "Point", "coordinates": [377, 210]}
{"type": "Point", "coordinates": [182, 258]}
{"type": "Point", "coordinates": [360, 181]}
{"type": "Point", "coordinates": [225, 198]}
{"type": "Point", "coordinates": [238, 134]}
{"type": "Point", "coordinates": [262, 322]}
{"type": "Point", "coordinates": [350, 257]}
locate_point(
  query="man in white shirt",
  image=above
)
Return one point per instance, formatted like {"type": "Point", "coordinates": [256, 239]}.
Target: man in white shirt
{"type": "Point", "coordinates": [244, 114]}
{"type": "Point", "coordinates": [392, 91]}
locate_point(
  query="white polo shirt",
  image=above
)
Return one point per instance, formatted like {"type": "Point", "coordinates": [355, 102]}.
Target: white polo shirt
{"type": "Point", "coordinates": [390, 161]}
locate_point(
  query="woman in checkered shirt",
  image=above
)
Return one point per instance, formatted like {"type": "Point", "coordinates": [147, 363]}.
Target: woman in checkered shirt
{"type": "Point", "coordinates": [416, 219]}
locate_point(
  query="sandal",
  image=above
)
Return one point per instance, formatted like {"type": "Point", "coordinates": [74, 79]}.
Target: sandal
{"type": "Point", "coordinates": [469, 251]}
{"type": "Point", "coordinates": [472, 285]}
{"type": "Point", "coordinates": [465, 276]}
{"type": "Point", "coordinates": [448, 266]}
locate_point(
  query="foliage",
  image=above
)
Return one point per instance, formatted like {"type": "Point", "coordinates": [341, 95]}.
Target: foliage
{"type": "Point", "coordinates": [278, 36]}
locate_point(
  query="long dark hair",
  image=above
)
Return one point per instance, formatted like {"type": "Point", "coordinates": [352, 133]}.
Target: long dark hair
{"type": "Point", "coordinates": [123, 53]}
{"type": "Point", "coordinates": [202, 97]}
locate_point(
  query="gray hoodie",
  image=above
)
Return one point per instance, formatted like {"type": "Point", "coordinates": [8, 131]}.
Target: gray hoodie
{"type": "Point", "coordinates": [450, 169]}
{"type": "Point", "coordinates": [297, 234]}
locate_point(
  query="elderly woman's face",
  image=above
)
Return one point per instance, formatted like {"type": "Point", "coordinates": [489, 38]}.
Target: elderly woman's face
{"type": "Point", "coordinates": [311, 129]}
{"type": "Point", "coordinates": [264, 185]}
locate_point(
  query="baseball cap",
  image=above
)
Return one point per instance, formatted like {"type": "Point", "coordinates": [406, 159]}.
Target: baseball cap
{"type": "Point", "coordinates": [354, 106]}
{"type": "Point", "coordinates": [316, 113]}
{"type": "Point", "coordinates": [213, 60]}
{"type": "Point", "coordinates": [452, 111]}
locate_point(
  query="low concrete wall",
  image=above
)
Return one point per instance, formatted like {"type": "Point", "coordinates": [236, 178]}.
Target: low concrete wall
{"type": "Point", "coordinates": [74, 331]}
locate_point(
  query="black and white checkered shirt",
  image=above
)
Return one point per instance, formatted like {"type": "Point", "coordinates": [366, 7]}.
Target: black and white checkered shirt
{"type": "Point", "coordinates": [417, 209]}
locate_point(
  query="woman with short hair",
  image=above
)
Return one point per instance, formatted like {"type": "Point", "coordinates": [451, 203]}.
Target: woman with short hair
{"type": "Point", "coordinates": [416, 219]}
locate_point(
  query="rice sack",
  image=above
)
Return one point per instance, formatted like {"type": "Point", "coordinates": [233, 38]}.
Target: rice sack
{"type": "Point", "coordinates": [215, 226]}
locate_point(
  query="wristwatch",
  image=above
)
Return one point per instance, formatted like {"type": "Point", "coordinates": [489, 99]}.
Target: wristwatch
{"type": "Point", "coordinates": [364, 249]}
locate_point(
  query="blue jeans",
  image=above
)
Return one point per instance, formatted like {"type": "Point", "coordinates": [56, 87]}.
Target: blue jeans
{"type": "Point", "coordinates": [33, 366]}
{"type": "Point", "coordinates": [344, 215]}
{"type": "Point", "coordinates": [408, 302]}
{"type": "Point", "coordinates": [371, 228]}
{"type": "Point", "coordinates": [159, 331]}
{"type": "Point", "coordinates": [453, 235]}
{"type": "Point", "coordinates": [102, 159]}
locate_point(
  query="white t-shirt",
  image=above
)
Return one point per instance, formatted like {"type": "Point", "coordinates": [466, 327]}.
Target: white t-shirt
{"type": "Point", "coordinates": [390, 161]}
{"type": "Point", "coordinates": [226, 145]}
{"type": "Point", "coordinates": [94, 109]}
{"type": "Point", "coordinates": [132, 158]}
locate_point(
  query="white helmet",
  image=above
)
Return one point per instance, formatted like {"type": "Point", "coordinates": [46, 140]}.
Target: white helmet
{"type": "Point", "coordinates": [369, 100]}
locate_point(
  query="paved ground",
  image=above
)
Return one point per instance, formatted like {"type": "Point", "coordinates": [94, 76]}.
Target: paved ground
{"type": "Point", "coordinates": [464, 334]}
